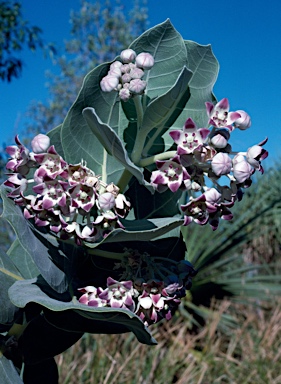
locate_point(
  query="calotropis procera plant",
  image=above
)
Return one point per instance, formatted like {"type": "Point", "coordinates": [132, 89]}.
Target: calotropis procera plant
{"type": "Point", "coordinates": [97, 204]}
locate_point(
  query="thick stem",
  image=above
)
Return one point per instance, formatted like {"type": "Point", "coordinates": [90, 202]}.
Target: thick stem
{"type": "Point", "coordinates": [141, 135]}
{"type": "Point", "coordinates": [161, 156]}
{"type": "Point", "coordinates": [124, 180]}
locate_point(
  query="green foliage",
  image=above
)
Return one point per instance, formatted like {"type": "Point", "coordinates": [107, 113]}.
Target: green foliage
{"type": "Point", "coordinates": [15, 33]}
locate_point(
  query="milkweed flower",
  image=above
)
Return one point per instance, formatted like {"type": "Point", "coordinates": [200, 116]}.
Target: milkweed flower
{"type": "Point", "coordinates": [219, 115]}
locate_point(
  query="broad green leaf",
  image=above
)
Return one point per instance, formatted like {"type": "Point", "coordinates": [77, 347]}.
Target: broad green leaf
{"type": "Point", "coordinates": [31, 245]}
{"type": "Point", "coordinates": [8, 275]}
{"type": "Point", "coordinates": [113, 145]}
{"type": "Point", "coordinates": [78, 140]}
{"type": "Point", "coordinates": [158, 205]}
{"type": "Point", "coordinates": [140, 230]}
{"type": "Point", "coordinates": [204, 65]}
{"type": "Point", "coordinates": [162, 112]}
{"type": "Point", "coordinates": [23, 260]}
{"type": "Point", "coordinates": [167, 47]}
{"type": "Point", "coordinates": [55, 137]}
{"type": "Point", "coordinates": [24, 292]}
{"type": "Point", "coordinates": [8, 372]}
{"type": "Point", "coordinates": [163, 109]}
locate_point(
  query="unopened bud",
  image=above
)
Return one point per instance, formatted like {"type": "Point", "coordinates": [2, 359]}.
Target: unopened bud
{"type": "Point", "coordinates": [219, 138]}
{"type": "Point", "coordinates": [106, 201]}
{"type": "Point", "coordinates": [136, 73]}
{"type": "Point", "coordinates": [125, 94]}
{"type": "Point", "coordinates": [145, 60]}
{"type": "Point", "coordinates": [109, 83]}
{"type": "Point", "coordinates": [244, 122]}
{"type": "Point", "coordinates": [128, 55]}
{"type": "Point", "coordinates": [137, 86]}
{"type": "Point", "coordinates": [221, 164]}
{"type": "Point", "coordinates": [242, 170]}
{"type": "Point", "coordinates": [40, 143]}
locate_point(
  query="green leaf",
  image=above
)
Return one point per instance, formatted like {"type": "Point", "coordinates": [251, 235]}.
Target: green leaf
{"type": "Point", "coordinates": [167, 47]}
{"type": "Point", "coordinates": [8, 275]}
{"type": "Point", "coordinates": [22, 260]}
{"type": "Point", "coordinates": [113, 145]}
{"type": "Point", "coordinates": [204, 65]}
{"type": "Point", "coordinates": [158, 205]}
{"type": "Point", "coordinates": [160, 110]}
{"type": "Point", "coordinates": [31, 245]}
{"type": "Point", "coordinates": [140, 230]}
{"type": "Point", "coordinates": [24, 292]}
{"type": "Point", "coordinates": [78, 140]}
{"type": "Point", "coordinates": [8, 372]}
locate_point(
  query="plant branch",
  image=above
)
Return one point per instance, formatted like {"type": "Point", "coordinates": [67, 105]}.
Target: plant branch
{"type": "Point", "coordinates": [160, 156]}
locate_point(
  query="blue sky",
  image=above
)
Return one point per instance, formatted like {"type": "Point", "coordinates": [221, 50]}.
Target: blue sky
{"type": "Point", "coordinates": [245, 37]}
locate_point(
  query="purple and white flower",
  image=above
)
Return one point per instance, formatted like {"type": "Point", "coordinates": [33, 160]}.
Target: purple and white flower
{"type": "Point", "coordinates": [190, 138]}
{"type": "Point", "coordinates": [170, 174]}
{"type": "Point", "coordinates": [219, 115]}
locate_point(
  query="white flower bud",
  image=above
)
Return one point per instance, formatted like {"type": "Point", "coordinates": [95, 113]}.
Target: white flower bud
{"type": "Point", "coordinates": [109, 83]}
{"type": "Point", "coordinates": [115, 64]}
{"type": "Point", "coordinates": [221, 164]}
{"type": "Point", "coordinates": [145, 60]}
{"type": "Point", "coordinates": [244, 122]}
{"type": "Point", "coordinates": [126, 78]}
{"type": "Point", "coordinates": [40, 143]}
{"type": "Point", "coordinates": [125, 94]}
{"type": "Point", "coordinates": [137, 86]}
{"type": "Point", "coordinates": [136, 73]}
{"type": "Point", "coordinates": [115, 72]}
{"type": "Point", "coordinates": [106, 201]}
{"type": "Point", "coordinates": [128, 55]}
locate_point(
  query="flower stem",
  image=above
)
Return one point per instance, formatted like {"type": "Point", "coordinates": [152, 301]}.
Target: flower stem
{"type": "Point", "coordinates": [160, 156]}
{"type": "Point", "coordinates": [124, 180]}
{"type": "Point", "coordinates": [141, 135]}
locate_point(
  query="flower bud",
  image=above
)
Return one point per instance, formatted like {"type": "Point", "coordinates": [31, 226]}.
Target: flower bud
{"type": "Point", "coordinates": [244, 122]}
{"type": "Point", "coordinates": [115, 64]}
{"type": "Point", "coordinates": [126, 78]}
{"type": "Point", "coordinates": [106, 201]}
{"type": "Point", "coordinates": [109, 83]}
{"type": "Point", "coordinates": [115, 72]}
{"type": "Point", "coordinates": [40, 143]}
{"type": "Point", "coordinates": [221, 164]}
{"type": "Point", "coordinates": [128, 55]}
{"type": "Point", "coordinates": [136, 73]}
{"type": "Point", "coordinates": [219, 138]}
{"type": "Point", "coordinates": [125, 94]}
{"type": "Point", "coordinates": [242, 170]}
{"type": "Point", "coordinates": [145, 60]}
{"type": "Point", "coordinates": [137, 86]}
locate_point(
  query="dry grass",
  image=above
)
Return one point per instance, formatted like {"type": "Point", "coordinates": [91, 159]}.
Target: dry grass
{"type": "Point", "coordinates": [249, 354]}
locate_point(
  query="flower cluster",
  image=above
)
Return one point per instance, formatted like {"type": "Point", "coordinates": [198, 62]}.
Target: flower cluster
{"type": "Point", "coordinates": [125, 76]}
{"type": "Point", "coordinates": [68, 198]}
{"type": "Point", "coordinates": [150, 298]}
{"type": "Point", "coordinates": [206, 154]}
